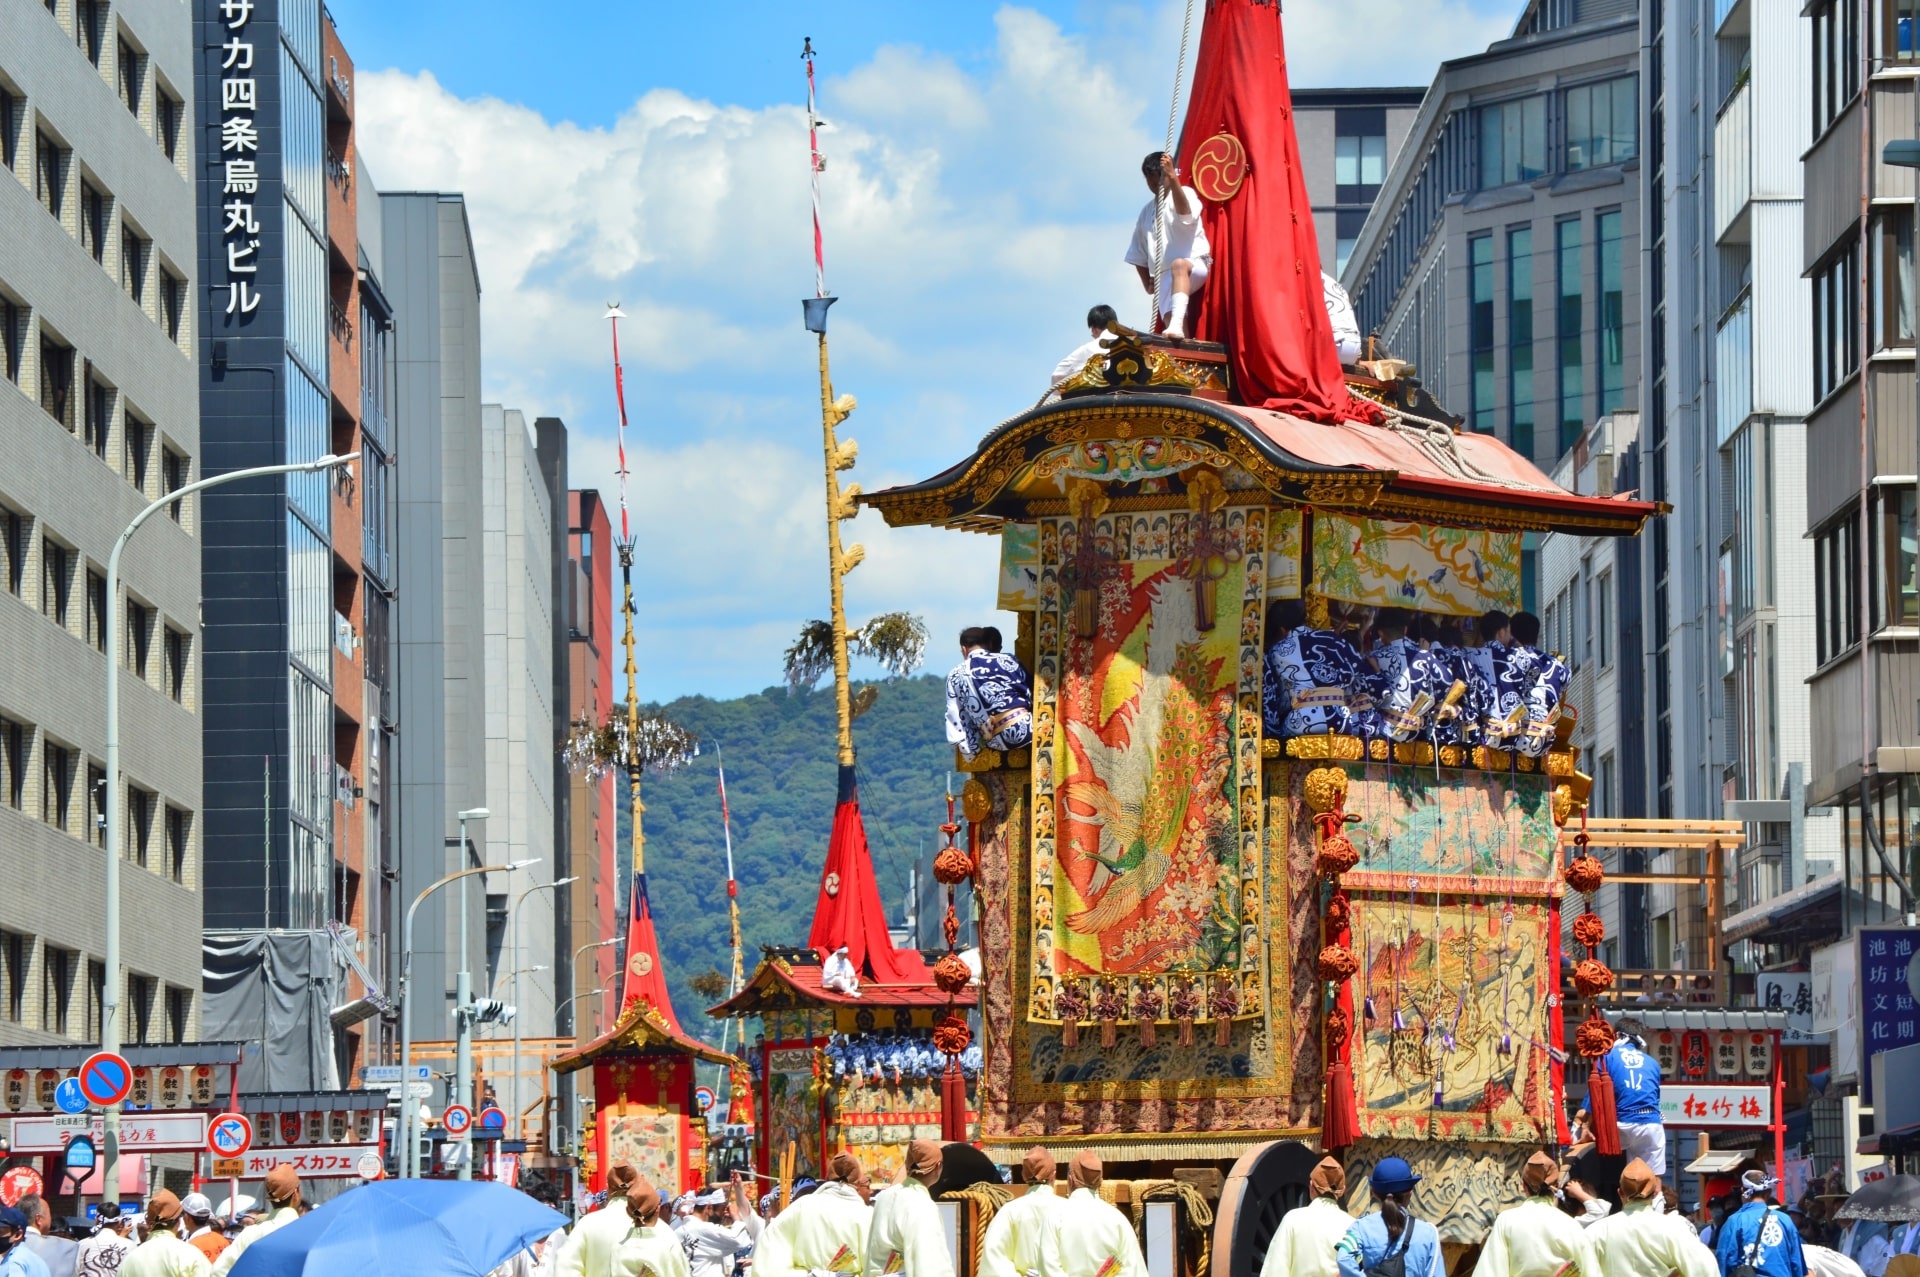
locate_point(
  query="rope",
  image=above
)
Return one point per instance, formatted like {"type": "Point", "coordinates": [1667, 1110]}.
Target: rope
{"type": "Point", "coordinates": [987, 1201]}
{"type": "Point", "coordinates": [1162, 197]}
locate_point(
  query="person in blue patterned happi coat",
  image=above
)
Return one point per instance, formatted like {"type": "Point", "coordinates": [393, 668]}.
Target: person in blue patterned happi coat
{"type": "Point", "coordinates": [989, 696]}
{"type": "Point", "coordinates": [1313, 677]}
{"type": "Point", "coordinates": [1484, 664]}
{"type": "Point", "coordinates": [1403, 677]}
{"type": "Point", "coordinates": [1545, 677]}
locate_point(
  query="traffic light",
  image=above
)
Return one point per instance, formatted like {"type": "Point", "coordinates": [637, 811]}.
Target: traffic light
{"type": "Point", "coordinates": [490, 1011]}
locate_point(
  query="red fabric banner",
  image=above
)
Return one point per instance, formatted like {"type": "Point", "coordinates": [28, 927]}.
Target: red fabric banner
{"type": "Point", "coordinates": [849, 911]}
{"type": "Point", "coordinates": [1263, 296]}
{"type": "Point", "coordinates": [646, 976]}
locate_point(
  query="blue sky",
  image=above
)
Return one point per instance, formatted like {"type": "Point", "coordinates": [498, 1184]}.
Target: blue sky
{"type": "Point", "coordinates": [981, 182]}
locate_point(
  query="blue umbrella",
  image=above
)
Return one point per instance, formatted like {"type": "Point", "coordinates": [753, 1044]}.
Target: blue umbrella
{"type": "Point", "coordinates": [405, 1228]}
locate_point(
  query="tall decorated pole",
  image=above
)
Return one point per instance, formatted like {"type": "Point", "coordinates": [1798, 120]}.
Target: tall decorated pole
{"type": "Point", "coordinates": [840, 456]}
{"type": "Point", "coordinates": [632, 741]}
{"type": "Point", "coordinates": [850, 911]}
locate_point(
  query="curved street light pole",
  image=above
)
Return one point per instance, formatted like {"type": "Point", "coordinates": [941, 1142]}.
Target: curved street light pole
{"type": "Point", "coordinates": [591, 944]}
{"type": "Point", "coordinates": [409, 1108]}
{"type": "Point", "coordinates": [110, 806]}
{"type": "Point", "coordinates": [513, 925]}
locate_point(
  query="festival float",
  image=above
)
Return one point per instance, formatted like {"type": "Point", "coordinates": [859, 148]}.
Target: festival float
{"type": "Point", "coordinates": [642, 1071]}
{"type": "Point", "coordinates": [1209, 952]}
{"type": "Point", "coordinates": [864, 1046]}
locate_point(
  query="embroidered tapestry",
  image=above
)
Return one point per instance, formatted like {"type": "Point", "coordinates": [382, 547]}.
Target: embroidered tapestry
{"type": "Point", "coordinates": [1453, 1041]}
{"type": "Point", "coordinates": [1283, 552]}
{"type": "Point", "coordinates": [1384, 563]}
{"type": "Point", "coordinates": [1147, 770]}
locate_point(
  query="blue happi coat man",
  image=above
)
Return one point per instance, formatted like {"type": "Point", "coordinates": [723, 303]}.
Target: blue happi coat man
{"type": "Point", "coordinates": [1636, 1101]}
{"type": "Point", "coordinates": [1485, 663]}
{"type": "Point", "coordinates": [1453, 720]}
{"type": "Point", "coordinates": [1312, 685]}
{"type": "Point", "coordinates": [1401, 676]}
{"type": "Point", "coordinates": [1759, 1234]}
{"type": "Point", "coordinates": [989, 696]}
{"type": "Point", "coordinates": [1542, 676]}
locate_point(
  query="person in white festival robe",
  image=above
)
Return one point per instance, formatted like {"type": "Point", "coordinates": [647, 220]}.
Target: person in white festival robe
{"type": "Point", "coordinates": [1534, 1239]}
{"type": "Point", "coordinates": [1092, 1238]}
{"type": "Point", "coordinates": [589, 1248]}
{"type": "Point", "coordinates": [1639, 1240]}
{"type": "Point", "coordinates": [907, 1236]}
{"type": "Point", "coordinates": [283, 1198]}
{"type": "Point", "coordinates": [824, 1232]}
{"type": "Point", "coordinates": [647, 1247]}
{"type": "Point", "coordinates": [1023, 1229]}
{"type": "Point", "coordinates": [1303, 1246]}
{"type": "Point", "coordinates": [719, 1229]}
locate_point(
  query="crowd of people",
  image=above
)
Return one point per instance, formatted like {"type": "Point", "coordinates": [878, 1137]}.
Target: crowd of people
{"type": "Point", "coordinates": [846, 1225]}
{"type": "Point", "coordinates": [1399, 675]}
{"type": "Point", "coordinates": [1390, 674]}
{"type": "Point", "coordinates": [171, 1236]}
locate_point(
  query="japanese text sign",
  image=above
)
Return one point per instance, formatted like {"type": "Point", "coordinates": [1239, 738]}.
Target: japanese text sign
{"type": "Point", "coordinates": [1692, 1107]}
{"type": "Point", "coordinates": [1888, 1014]}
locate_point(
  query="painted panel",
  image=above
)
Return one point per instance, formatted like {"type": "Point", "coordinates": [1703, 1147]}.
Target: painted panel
{"type": "Point", "coordinates": [1385, 563]}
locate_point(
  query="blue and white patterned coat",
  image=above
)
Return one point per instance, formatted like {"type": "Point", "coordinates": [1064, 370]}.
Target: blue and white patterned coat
{"type": "Point", "coordinates": [989, 703]}
{"type": "Point", "coordinates": [1403, 679]}
{"type": "Point", "coordinates": [1546, 686]}
{"type": "Point", "coordinates": [1451, 665]}
{"type": "Point", "coordinates": [1312, 682]}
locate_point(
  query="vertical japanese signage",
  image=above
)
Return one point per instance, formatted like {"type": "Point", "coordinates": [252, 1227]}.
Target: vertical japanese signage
{"type": "Point", "coordinates": [239, 158]}
{"type": "Point", "coordinates": [1889, 1016]}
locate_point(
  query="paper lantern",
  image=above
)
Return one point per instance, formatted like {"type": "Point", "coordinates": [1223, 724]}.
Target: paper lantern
{"type": "Point", "coordinates": [1726, 1055]}
{"type": "Point", "coordinates": [1693, 1054]}
{"type": "Point", "coordinates": [1759, 1055]}
{"type": "Point", "coordinates": [1666, 1049]}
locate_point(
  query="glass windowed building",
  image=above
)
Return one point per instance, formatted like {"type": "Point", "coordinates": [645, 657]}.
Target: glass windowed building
{"type": "Point", "coordinates": [1348, 141]}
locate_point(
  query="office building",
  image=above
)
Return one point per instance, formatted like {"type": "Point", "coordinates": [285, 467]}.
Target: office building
{"type": "Point", "coordinates": [1864, 692]}
{"type": "Point", "coordinates": [592, 638]}
{"type": "Point", "coordinates": [1503, 259]}
{"type": "Point", "coordinates": [1349, 139]}
{"type": "Point", "coordinates": [430, 278]}
{"type": "Point", "coordinates": [519, 510]}
{"type": "Point", "coordinates": [98, 417]}
{"type": "Point", "coordinates": [297, 580]}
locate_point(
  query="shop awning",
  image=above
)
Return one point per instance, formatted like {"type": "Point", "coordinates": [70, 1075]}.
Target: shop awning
{"type": "Point", "coordinates": [1810, 908]}
{"type": "Point", "coordinates": [1712, 1019]}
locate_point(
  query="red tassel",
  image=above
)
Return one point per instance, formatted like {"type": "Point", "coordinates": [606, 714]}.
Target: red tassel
{"type": "Point", "coordinates": [1223, 1032]}
{"type": "Point", "coordinates": [1601, 1112]}
{"type": "Point", "coordinates": [1341, 1127]}
{"type": "Point", "coordinates": [953, 1103]}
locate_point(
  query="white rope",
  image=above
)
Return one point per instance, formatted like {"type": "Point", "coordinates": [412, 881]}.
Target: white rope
{"type": "Point", "coordinates": [1162, 198]}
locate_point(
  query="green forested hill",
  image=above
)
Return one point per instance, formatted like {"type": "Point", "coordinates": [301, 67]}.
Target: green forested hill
{"type": "Point", "coordinates": [779, 753]}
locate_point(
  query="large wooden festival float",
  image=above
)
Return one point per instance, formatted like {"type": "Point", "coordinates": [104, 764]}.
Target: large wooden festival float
{"type": "Point", "coordinates": [1210, 953]}
{"type": "Point", "coordinates": [865, 1071]}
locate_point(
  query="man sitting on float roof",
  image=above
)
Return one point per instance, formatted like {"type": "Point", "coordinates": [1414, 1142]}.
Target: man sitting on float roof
{"type": "Point", "coordinates": [1346, 329]}
{"type": "Point", "coordinates": [1185, 254]}
{"type": "Point", "coordinates": [1097, 320]}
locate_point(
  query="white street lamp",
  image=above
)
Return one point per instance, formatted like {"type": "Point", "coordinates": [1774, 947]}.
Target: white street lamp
{"type": "Point", "coordinates": [110, 800]}
{"type": "Point", "coordinates": [513, 922]}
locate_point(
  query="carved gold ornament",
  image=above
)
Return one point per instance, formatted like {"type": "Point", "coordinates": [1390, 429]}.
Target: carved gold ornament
{"type": "Point", "coordinates": [1325, 789]}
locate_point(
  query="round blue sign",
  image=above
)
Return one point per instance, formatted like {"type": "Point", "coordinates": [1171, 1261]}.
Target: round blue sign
{"type": "Point", "coordinates": [493, 1119]}
{"type": "Point", "coordinates": [68, 1096]}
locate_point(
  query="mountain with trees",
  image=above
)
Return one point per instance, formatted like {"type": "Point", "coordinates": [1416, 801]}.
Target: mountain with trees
{"type": "Point", "coordinates": [778, 751]}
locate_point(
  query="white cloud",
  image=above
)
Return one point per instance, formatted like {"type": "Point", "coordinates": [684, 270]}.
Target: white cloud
{"type": "Point", "coordinates": [973, 211]}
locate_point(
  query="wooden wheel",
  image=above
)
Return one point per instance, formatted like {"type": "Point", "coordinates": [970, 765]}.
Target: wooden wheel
{"type": "Point", "coordinates": [1265, 1184]}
